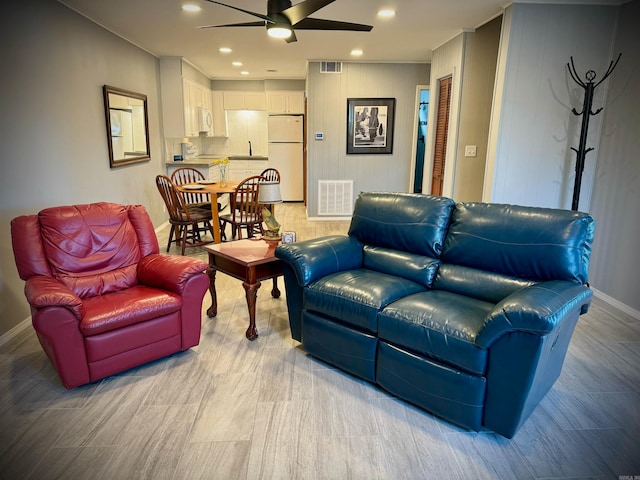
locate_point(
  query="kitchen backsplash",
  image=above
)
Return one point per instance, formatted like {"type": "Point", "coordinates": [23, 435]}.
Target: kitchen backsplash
{"type": "Point", "coordinates": [244, 126]}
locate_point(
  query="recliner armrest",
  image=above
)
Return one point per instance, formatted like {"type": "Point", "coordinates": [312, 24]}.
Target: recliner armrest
{"type": "Point", "coordinates": [42, 292]}
{"type": "Point", "coordinates": [314, 259]}
{"type": "Point", "coordinates": [169, 272]}
{"type": "Point", "coordinates": [535, 309]}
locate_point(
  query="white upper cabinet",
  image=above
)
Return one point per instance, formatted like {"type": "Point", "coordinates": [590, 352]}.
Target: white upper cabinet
{"type": "Point", "coordinates": [181, 101]}
{"type": "Point", "coordinates": [220, 128]}
{"type": "Point", "coordinates": [285, 102]}
{"type": "Point", "coordinates": [244, 101]}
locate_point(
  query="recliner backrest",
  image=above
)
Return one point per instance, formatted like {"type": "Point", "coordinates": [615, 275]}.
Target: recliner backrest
{"type": "Point", "coordinates": [408, 222]}
{"type": "Point", "coordinates": [92, 249]}
{"type": "Point", "coordinates": [537, 244]}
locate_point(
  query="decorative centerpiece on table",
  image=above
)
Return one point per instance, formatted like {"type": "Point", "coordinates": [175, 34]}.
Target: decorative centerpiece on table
{"type": "Point", "coordinates": [222, 164]}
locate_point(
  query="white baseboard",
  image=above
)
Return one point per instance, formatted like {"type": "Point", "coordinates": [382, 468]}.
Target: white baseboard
{"type": "Point", "coordinates": [15, 331]}
{"type": "Point", "coordinates": [165, 224]}
{"type": "Point", "coordinates": [617, 304]}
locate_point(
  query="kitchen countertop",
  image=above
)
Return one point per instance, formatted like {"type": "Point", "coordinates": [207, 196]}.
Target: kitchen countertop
{"type": "Point", "coordinates": [207, 160]}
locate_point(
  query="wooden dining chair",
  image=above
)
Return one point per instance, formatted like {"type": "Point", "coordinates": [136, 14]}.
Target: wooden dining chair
{"type": "Point", "coordinates": [271, 175]}
{"type": "Point", "coordinates": [189, 225]}
{"type": "Point", "coordinates": [244, 209]}
{"type": "Point", "coordinates": [185, 175]}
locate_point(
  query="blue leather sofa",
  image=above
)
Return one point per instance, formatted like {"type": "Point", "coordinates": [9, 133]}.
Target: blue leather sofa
{"type": "Point", "coordinates": [465, 310]}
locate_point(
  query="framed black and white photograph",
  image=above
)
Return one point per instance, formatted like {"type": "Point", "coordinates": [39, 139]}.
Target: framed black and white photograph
{"type": "Point", "coordinates": [370, 125]}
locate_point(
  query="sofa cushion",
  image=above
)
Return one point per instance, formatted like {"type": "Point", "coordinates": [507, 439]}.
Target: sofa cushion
{"type": "Point", "coordinates": [409, 222]}
{"type": "Point", "coordinates": [127, 307]}
{"type": "Point", "coordinates": [356, 296]}
{"type": "Point", "coordinates": [532, 243]}
{"type": "Point", "coordinates": [439, 324]}
{"type": "Point", "coordinates": [419, 268]}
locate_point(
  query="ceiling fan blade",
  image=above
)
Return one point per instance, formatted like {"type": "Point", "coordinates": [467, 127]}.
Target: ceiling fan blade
{"type": "Point", "coordinates": [259, 15]}
{"type": "Point", "coordinates": [245, 24]}
{"type": "Point", "coordinates": [320, 24]}
{"type": "Point", "coordinates": [292, 38]}
{"type": "Point", "coordinates": [302, 10]}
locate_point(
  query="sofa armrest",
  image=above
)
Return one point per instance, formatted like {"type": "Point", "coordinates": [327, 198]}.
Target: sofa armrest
{"type": "Point", "coordinates": [314, 259]}
{"type": "Point", "coordinates": [535, 309]}
{"type": "Point", "coordinates": [43, 292]}
{"type": "Point", "coordinates": [169, 272]}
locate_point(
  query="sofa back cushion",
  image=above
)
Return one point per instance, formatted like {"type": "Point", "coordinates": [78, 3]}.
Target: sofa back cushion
{"type": "Point", "coordinates": [418, 268]}
{"type": "Point", "coordinates": [408, 222]}
{"type": "Point", "coordinates": [530, 243]}
{"type": "Point", "coordinates": [93, 249]}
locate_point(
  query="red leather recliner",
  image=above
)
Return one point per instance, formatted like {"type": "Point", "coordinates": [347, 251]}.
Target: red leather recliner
{"type": "Point", "coordinates": [102, 298]}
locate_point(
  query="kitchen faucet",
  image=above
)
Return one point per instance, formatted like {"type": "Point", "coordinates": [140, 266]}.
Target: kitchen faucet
{"type": "Point", "coordinates": [250, 152]}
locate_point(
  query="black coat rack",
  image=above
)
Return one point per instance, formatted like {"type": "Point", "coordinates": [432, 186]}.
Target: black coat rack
{"type": "Point", "coordinates": [589, 88]}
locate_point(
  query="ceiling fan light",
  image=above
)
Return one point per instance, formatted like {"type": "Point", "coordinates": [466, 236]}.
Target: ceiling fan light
{"type": "Point", "coordinates": [279, 31]}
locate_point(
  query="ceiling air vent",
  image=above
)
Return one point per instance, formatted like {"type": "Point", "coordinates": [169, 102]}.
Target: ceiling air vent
{"type": "Point", "coordinates": [330, 67]}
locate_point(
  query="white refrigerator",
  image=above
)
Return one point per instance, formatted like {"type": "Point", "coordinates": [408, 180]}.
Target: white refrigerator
{"type": "Point", "coordinates": [286, 154]}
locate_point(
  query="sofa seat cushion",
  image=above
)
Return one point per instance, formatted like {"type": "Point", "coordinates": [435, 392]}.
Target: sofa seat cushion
{"type": "Point", "coordinates": [356, 296]}
{"type": "Point", "coordinates": [439, 324]}
{"type": "Point", "coordinates": [127, 307]}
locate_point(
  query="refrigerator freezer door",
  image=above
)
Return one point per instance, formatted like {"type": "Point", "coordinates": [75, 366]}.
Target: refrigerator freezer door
{"type": "Point", "coordinates": [287, 159]}
{"type": "Point", "coordinates": [285, 128]}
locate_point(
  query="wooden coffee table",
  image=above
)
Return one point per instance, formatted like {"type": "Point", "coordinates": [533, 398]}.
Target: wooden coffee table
{"type": "Point", "coordinates": [250, 260]}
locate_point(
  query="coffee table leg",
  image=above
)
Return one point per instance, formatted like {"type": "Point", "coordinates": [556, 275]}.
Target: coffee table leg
{"type": "Point", "coordinates": [212, 311]}
{"type": "Point", "coordinates": [275, 292]}
{"type": "Point", "coordinates": [251, 290]}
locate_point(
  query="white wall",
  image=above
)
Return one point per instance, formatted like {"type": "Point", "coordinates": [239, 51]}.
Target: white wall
{"type": "Point", "coordinates": [534, 163]}
{"type": "Point", "coordinates": [327, 95]}
{"type": "Point", "coordinates": [616, 193]}
{"type": "Point", "coordinates": [52, 124]}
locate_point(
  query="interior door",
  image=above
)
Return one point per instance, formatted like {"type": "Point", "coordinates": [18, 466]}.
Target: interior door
{"type": "Point", "coordinates": [442, 131]}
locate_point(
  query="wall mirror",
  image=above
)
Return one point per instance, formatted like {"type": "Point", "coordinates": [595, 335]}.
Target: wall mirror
{"type": "Point", "coordinates": [127, 126]}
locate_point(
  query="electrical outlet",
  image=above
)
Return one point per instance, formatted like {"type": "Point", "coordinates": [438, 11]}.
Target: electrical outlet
{"type": "Point", "coordinates": [470, 151]}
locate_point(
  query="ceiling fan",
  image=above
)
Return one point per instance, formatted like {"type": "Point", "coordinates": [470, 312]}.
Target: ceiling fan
{"type": "Point", "coordinates": [282, 19]}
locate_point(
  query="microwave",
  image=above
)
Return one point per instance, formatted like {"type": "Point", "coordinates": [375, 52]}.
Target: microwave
{"type": "Point", "coordinates": [205, 120]}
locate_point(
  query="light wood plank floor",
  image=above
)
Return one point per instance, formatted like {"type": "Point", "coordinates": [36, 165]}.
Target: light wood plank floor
{"type": "Point", "coordinates": [231, 408]}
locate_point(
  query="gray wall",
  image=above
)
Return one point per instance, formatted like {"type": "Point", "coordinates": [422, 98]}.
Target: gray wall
{"type": "Point", "coordinates": [616, 188]}
{"type": "Point", "coordinates": [327, 95]}
{"type": "Point", "coordinates": [535, 129]}
{"type": "Point", "coordinates": [480, 59]}
{"type": "Point", "coordinates": [52, 124]}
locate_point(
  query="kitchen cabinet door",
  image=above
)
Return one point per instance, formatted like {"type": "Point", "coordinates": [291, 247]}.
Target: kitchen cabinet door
{"type": "Point", "coordinates": [244, 101]}
{"type": "Point", "coordinates": [220, 128]}
{"type": "Point", "coordinates": [285, 102]}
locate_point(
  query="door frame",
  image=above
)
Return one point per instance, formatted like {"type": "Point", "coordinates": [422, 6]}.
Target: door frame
{"type": "Point", "coordinates": [414, 147]}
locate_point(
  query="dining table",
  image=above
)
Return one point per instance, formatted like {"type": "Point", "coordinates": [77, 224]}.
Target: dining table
{"type": "Point", "coordinates": [214, 190]}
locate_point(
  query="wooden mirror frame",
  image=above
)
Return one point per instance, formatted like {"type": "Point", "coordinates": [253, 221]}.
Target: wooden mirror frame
{"type": "Point", "coordinates": [118, 155]}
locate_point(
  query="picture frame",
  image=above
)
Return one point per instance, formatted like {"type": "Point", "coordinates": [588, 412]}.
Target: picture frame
{"type": "Point", "coordinates": [127, 122]}
{"type": "Point", "coordinates": [370, 125]}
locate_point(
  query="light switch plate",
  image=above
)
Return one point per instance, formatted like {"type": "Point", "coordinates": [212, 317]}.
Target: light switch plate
{"type": "Point", "coordinates": [470, 151]}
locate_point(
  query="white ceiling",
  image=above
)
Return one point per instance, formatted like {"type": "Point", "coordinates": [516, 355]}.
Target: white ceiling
{"type": "Point", "coordinates": [162, 28]}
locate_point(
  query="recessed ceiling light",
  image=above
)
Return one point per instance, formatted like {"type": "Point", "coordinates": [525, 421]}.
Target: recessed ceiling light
{"type": "Point", "coordinates": [244, 72]}
{"type": "Point", "coordinates": [356, 52]}
{"type": "Point", "coordinates": [225, 50]}
{"type": "Point", "coordinates": [191, 8]}
{"type": "Point", "coordinates": [386, 13]}
{"type": "Point", "coordinates": [236, 64]}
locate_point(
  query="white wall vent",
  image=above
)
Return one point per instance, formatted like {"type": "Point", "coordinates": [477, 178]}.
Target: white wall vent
{"type": "Point", "coordinates": [335, 197]}
{"type": "Point", "coordinates": [330, 67]}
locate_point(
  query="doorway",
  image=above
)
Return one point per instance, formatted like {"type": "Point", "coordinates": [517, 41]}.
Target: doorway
{"type": "Point", "coordinates": [423, 115]}
{"type": "Point", "coordinates": [441, 135]}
